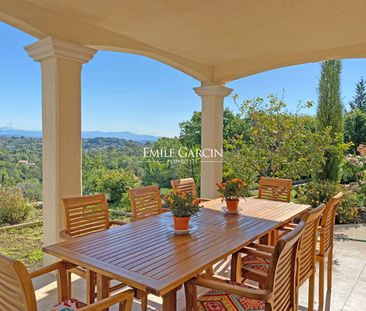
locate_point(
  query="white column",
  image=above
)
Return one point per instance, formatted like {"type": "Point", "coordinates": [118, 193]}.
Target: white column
{"type": "Point", "coordinates": [61, 64]}
{"type": "Point", "coordinates": [212, 136]}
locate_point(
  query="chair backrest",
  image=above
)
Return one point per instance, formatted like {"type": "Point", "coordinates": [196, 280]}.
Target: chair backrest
{"type": "Point", "coordinates": [16, 288]}
{"type": "Point", "coordinates": [86, 214]}
{"type": "Point", "coordinates": [277, 189]}
{"type": "Point", "coordinates": [186, 185]}
{"type": "Point", "coordinates": [145, 201]}
{"type": "Point", "coordinates": [308, 241]}
{"type": "Point", "coordinates": [283, 271]}
{"type": "Point", "coordinates": [327, 223]}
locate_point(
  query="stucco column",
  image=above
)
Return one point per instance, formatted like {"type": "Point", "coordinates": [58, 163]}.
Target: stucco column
{"type": "Point", "coordinates": [61, 64]}
{"type": "Point", "coordinates": [212, 136]}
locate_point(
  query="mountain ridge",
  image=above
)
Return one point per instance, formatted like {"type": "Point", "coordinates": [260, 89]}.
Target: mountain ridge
{"type": "Point", "coordinates": [85, 134]}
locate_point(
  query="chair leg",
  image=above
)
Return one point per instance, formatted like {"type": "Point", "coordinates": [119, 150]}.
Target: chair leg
{"type": "Point", "coordinates": [330, 268]}
{"type": "Point", "coordinates": [321, 284]}
{"type": "Point", "coordinates": [191, 296]}
{"type": "Point", "coordinates": [265, 240]}
{"type": "Point", "coordinates": [125, 306]}
{"type": "Point", "coordinates": [209, 271]}
{"type": "Point", "coordinates": [311, 292]}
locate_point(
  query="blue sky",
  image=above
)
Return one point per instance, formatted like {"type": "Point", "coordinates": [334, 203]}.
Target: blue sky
{"type": "Point", "coordinates": [124, 92]}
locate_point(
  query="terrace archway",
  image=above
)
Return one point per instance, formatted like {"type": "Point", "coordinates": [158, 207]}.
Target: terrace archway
{"type": "Point", "coordinates": [214, 42]}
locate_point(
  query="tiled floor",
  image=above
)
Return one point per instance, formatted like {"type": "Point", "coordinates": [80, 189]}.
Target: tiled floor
{"type": "Point", "coordinates": [349, 277]}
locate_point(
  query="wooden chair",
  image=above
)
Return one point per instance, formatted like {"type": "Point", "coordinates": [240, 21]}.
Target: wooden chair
{"type": "Point", "coordinates": [85, 215]}
{"type": "Point", "coordinates": [187, 185]}
{"type": "Point", "coordinates": [277, 189]}
{"type": "Point", "coordinates": [258, 256]}
{"type": "Point", "coordinates": [17, 291]}
{"type": "Point", "coordinates": [325, 247]}
{"type": "Point", "coordinates": [277, 294]}
{"type": "Point", "coordinates": [145, 201]}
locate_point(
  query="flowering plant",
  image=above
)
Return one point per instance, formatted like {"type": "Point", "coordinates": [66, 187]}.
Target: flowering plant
{"type": "Point", "coordinates": [355, 165]}
{"type": "Point", "coordinates": [233, 189]}
{"type": "Point", "coordinates": [182, 204]}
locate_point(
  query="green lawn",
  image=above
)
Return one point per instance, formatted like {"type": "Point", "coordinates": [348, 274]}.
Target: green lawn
{"type": "Point", "coordinates": [23, 244]}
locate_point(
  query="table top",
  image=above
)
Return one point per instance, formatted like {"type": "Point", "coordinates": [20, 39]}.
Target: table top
{"type": "Point", "coordinates": [148, 255]}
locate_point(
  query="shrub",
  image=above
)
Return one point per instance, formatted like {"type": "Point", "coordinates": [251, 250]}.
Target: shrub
{"type": "Point", "coordinates": [14, 208]}
{"type": "Point", "coordinates": [349, 208]}
{"type": "Point", "coordinates": [355, 128]}
{"type": "Point", "coordinates": [277, 143]}
{"type": "Point", "coordinates": [31, 189]}
{"type": "Point", "coordinates": [315, 192]}
{"type": "Point", "coordinates": [114, 183]}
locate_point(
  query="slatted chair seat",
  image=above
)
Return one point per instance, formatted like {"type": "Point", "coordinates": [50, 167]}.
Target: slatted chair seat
{"type": "Point", "coordinates": [217, 300]}
{"type": "Point", "coordinates": [69, 305]}
{"type": "Point", "coordinates": [250, 262]}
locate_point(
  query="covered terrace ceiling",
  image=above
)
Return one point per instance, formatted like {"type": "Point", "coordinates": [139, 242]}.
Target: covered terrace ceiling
{"type": "Point", "coordinates": [211, 40]}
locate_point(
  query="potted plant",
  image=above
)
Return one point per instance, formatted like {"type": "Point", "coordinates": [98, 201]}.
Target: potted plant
{"type": "Point", "coordinates": [231, 191]}
{"type": "Point", "coordinates": [182, 206]}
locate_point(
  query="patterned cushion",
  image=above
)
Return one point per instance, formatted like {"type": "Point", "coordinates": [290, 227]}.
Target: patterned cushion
{"type": "Point", "coordinates": [69, 305]}
{"type": "Point", "coordinates": [253, 262]}
{"type": "Point", "coordinates": [221, 301]}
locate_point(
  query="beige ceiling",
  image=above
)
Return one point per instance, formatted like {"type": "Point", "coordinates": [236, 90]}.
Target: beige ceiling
{"type": "Point", "coordinates": [212, 40]}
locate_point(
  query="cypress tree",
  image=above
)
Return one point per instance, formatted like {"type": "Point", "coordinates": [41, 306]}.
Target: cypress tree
{"type": "Point", "coordinates": [330, 112]}
{"type": "Point", "coordinates": [359, 100]}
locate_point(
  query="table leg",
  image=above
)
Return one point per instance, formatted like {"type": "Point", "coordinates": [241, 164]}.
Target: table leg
{"type": "Point", "coordinates": [235, 274]}
{"type": "Point", "coordinates": [142, 296]}
{"type": "Point", "coordinates": [170, 300]}
{"type": "Point", "coordinates": [90, 286]}
{"type": "Point", "coordinates": [63, 286]}
{"type": "Point", "coordinates": [102, 288]}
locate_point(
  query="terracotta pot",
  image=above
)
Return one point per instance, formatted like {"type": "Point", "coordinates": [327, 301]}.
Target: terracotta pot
{"type": "Point", "coordinates": [181, 223]}
{"type": "Point", "coordinates": [232, 204]}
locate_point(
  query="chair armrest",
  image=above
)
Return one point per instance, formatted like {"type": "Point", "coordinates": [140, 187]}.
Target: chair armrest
{"type": "Point", "coordinates": [255, 275]}
{"type": "Point", "coordinates": [204, 199]}
{"type": "Point", "coordinates": [256, 253]}
{"type": "Point", "coordinates": [264, 248]}
{"type": "Point", "coordinates": [52, 267]}
{"type": "Point", "coordinates": [64, 235]}
{"type": "Point", "coordinates": [117, 222]}
{"type": "Point", "coordinates": [126, 297]}
{"type": "Point", "coordinates": [166, 210]}
{"type": "Point", "coordinates": [218, 284]}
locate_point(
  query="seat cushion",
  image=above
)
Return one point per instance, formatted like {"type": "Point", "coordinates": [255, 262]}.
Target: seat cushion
{"type": "Point", "coordinates": [257, 263]}
{"type": "Point", "coordinates": [220, 301]}
{"type": "Point", "coordinates": [69, 305]}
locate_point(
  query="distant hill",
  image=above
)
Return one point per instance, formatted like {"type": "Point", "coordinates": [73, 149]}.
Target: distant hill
{"type": "Point", "coordinates": [10, 132]}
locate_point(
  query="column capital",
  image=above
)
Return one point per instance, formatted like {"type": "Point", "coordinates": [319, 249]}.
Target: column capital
{"type": "Point", "coordinates": [213, 90]}
{"type": "Point", "coordinates": [51, 47]}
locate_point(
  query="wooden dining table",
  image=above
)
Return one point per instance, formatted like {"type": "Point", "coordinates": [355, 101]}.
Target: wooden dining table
{"type": "Point", "coordinates": [148, 255]}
